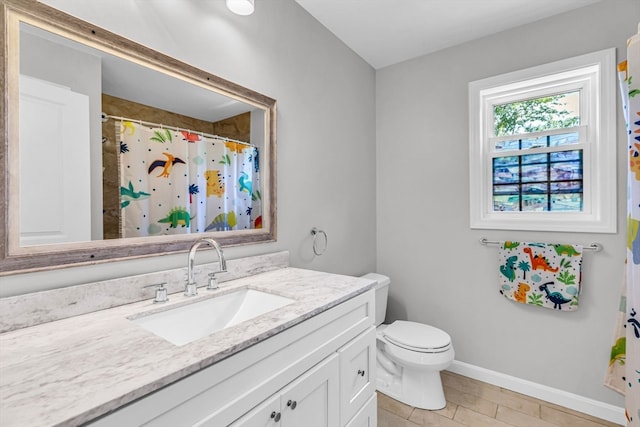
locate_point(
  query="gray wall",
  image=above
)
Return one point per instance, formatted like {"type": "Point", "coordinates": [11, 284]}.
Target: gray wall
{"type": "Point", "coordinates": [440, 273]}
{"type": "Point", "coordinates": [326, 123]}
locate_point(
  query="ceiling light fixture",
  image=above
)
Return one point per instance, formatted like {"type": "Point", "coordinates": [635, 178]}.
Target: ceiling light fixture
{"type": "Point", "coordinates": [241, 7]}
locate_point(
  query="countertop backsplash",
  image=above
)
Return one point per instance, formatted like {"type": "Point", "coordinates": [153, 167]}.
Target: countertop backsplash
{"type": "Point", "coordinates": [32, 309]}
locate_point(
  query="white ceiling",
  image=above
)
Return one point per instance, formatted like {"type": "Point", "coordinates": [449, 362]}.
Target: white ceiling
{"type": "Point", "coordinates": [385, 32]}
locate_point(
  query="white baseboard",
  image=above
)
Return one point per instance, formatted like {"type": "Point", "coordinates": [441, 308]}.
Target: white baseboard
{"type": "Point", "coordinates": [578, 403]}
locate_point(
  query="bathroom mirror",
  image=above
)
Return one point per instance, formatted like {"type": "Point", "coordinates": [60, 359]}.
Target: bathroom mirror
{"type": "Point", "coordinates": [78, 101]}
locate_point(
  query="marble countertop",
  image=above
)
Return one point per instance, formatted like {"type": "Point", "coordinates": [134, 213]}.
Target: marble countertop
{"type": "Point", "coordinates": [70, 371]}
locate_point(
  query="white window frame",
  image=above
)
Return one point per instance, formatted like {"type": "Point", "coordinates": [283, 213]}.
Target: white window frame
{"type": "Point", "coordinates": [594, 75]}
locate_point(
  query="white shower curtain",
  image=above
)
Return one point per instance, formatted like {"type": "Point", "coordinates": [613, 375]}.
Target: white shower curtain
{"type": "Point", "coordinates": [624, 366]}
{"type": "Point", "coordinates": [178, 182]}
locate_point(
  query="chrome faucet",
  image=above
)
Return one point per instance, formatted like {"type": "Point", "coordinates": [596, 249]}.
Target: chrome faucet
{"type": "Point", "coordinates": [191, 288]}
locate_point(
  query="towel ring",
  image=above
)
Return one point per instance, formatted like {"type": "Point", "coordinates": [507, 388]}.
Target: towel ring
{"type": "Point", "coordinates": [315, 232]}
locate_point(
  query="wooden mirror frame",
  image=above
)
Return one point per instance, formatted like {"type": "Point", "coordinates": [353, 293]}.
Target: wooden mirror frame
{"type": "Point", "coordinates": [15, 259]}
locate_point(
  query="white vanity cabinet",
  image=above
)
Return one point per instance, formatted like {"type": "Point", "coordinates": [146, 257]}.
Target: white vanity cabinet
{"type": "Point", "coordinates": [339, 391]}
{"type": "Point", "coordinates": [319, 372]}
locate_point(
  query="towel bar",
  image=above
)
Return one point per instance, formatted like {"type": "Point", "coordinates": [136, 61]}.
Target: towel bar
{"type": "Point", "coordinates": [597, 247]}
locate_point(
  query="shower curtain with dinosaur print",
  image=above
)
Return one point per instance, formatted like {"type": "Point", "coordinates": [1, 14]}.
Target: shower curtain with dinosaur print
{"type": "Point", "coordinates": [624, 365]}
{"type": "Point", "coordinates": [178, 182]}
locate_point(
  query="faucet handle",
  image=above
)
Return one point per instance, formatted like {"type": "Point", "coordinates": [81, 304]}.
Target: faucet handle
{"type": "Point", "coordinates": [161, 292]}
{"type": "Point", "coordinates": [213, 282]}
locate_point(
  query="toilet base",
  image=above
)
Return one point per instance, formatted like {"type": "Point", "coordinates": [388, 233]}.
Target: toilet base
{"type": "Point", "coordinates": [414, 388]}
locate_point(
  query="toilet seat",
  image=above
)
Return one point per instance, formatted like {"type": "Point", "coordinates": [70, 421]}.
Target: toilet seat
{"type": "Point", "coordinates": [417, 337]}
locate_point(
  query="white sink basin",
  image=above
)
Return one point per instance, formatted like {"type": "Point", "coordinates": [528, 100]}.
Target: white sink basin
{"type": "Point", "coordinates": [187, 323]}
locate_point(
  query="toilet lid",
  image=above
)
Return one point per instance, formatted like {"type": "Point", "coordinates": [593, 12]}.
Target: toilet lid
{"type": "Point", "coordinates": [417, 336]}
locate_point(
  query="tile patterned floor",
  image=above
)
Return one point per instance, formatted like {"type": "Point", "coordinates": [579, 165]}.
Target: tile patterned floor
{"type": "Point", "coordinates": [477, 404]}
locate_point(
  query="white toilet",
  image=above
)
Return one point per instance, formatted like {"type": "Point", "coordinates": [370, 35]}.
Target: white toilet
{"type": "Point", "coordinates": [410, 356]}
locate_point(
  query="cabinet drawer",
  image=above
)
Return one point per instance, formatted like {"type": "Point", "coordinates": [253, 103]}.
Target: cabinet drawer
{"type": "Point", "coordinates": [357, 373]}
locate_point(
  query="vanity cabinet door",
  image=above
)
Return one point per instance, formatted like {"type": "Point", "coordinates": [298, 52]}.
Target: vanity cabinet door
{"type": "Point", "coordinates": [367, 416]}
{"type": "Point", "coordinates": [312, 400]}
{"type": "Point", "coordinates": [357, 374]}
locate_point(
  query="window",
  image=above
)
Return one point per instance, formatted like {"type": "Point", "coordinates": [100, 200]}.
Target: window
{"type": "Point", "coordinates": [537, 153]}
{"type": "Point", "coordinates": [542, 147]}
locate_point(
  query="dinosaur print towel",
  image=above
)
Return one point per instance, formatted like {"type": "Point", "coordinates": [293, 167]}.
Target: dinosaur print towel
{"type": "Point", "coordinates": [542, 274]}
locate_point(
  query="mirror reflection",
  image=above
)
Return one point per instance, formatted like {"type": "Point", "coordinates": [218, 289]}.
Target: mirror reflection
{"type": "Point", "coordinates": [112, 149]}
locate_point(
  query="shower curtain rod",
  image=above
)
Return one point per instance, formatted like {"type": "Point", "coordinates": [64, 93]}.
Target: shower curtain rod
{"type": "Point", "coordinates": [159, 125]}
{"type": "Point", "coordinates": [592, 247]}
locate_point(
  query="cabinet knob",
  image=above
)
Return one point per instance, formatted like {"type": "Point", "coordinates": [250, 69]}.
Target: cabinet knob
{"type": "Point", "coordinates": [361, 372]}
{"type": "Point", "coordinates": [292, 404]}
{"type": "Point", "coordinates": [275, 416]}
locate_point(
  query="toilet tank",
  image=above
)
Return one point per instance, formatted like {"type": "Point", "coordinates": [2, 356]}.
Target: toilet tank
{"type": "Point", "coordinates": [382, 293]}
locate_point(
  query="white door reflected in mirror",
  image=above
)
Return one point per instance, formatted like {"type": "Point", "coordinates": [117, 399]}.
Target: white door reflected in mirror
{"type": "Point", "coordinates": [55, 192]}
